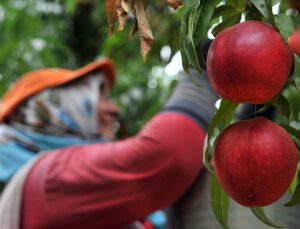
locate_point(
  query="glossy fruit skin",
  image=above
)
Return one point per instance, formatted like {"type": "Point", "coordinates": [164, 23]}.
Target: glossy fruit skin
{"type": "Point", "coordinates": [294, 42]}
{"type": "Point", "coordinates": [249, 63]}
{"type": "Point", "coordinates": [255, 161]}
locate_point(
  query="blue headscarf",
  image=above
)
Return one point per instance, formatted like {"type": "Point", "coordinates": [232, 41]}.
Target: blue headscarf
{"type": "Point", "coordinates": [24, 145]}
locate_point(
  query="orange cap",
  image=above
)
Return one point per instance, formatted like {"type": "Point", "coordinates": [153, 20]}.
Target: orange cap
{"type": "Point", "coordinates": [39, 80]}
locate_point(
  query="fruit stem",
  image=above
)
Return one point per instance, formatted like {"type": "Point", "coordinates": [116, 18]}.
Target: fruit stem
{"type": "Point", "coordinates": [209, 169]}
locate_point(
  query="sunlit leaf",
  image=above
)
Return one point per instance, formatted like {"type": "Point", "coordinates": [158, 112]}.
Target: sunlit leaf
{"type": "Point", "coordinates": [226, 109]}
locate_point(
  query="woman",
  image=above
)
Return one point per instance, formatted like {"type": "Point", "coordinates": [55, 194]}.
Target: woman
{"type": "Point", "coordinates": [79, 182]}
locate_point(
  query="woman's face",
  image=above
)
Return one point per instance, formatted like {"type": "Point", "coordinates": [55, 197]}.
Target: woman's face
{"type": "Point", "coordinates": [108, 113]}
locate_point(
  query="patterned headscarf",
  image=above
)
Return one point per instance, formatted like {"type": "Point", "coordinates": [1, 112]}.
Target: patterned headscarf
{"type": "Point", "coordinates": [55, 118]}
{"type": "Point", "coordinates": [68, 110]}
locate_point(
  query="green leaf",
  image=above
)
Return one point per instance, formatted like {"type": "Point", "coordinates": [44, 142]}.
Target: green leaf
{"type": "Point", "coordinates": [282, 104]}
{"type": "Point", "coordinates": [188, 51]}
{"type": "Point", "coordinates": [182, 37]}
{"type": "Point", "coordinates": [194, 28]}
{"type": "Point", "coordinates": [236, 3]}
{"type": "Point", "coordinates": [219, 202]}
{"type": "Point", "coordinates": [284, 6]}
{"type": "Point", "coordinates": [285, 25]}
{"type": "Point", "coordinates": [223, 10]}
{"type": "Point", "coordinates": [190, 44]}
{"type": "Point", "coordinates": [297, 146]}
{"type": "Point", "coordinates": [226, 109]}
{"type": "Point", "coordinates": [226, 24]}
{"type": "Point", "coordinates": [191, 53]}
{"type": "Point", "coordinates": [202, 21]}
{"type": "Point", "coordinates": [274, 2]}
{"type": "Point", "coordinates": [265, 8]}
{"type": "Point", "coordinates": [226, 121]}
{"type": "Point", "coordinates": [253, 14]}
{"type": "Point", "coordinates": [218, 2]}
{"type": "Point", "coordinates": [70, 6]}
{"type": "Point", "coordinates": [296, 20]}
{"type": "Point", "coordinates": [296, 72]}
{"type": "Point", "coordinates": [293, 185]}
{"type": "Point", "coordinates": [260, 214]}
{"type": "Point", "coordinates": [294, 84]}
{"type": "Point", "coordinates": [295, 198]}
{"type": "Point", "coordinates": [291, 130]}
{"type": "Point", "coordinates": [185, 61]}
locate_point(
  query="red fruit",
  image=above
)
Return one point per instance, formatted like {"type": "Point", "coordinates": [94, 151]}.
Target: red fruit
{"type": "Point", "coordinates": [255, 161]}
{"type": "Point", "coordinates": [249, 63]}
{"type": "Point", "coordinates": [294, 42]}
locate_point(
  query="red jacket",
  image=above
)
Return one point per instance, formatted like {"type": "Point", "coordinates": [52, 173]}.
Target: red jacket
{"type": "Point", "coordinates": [112, 184]}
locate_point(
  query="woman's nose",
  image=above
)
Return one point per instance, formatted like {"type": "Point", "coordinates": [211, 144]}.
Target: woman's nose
{"type": "Point", "coordinates": [114, 109]}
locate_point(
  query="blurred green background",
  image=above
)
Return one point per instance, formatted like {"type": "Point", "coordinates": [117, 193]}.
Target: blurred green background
{"type": "Point", "coordinates": [70, 34]}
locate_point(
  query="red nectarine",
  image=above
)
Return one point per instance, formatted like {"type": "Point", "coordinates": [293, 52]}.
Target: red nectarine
{"type": "Point", "coordinates": [249, 63]}
{"type": "Point", "coordinates": [255, 161]}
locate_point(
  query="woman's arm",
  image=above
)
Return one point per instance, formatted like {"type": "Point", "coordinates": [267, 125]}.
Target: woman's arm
{"type": "Point", "coordinates": [111, 184]}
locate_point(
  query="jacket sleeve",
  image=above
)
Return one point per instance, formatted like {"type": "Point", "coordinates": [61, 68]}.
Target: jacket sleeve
{"type": "Point", "coordinates": [111, 184]}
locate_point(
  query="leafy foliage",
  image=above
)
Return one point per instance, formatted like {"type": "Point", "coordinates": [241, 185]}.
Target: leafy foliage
{"type": "Point", "coordinates": [226, 14]}
{"type": "Point", "coordinates": [193, 32]}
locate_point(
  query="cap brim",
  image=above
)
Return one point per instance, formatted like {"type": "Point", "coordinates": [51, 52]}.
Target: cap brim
{"type": "Point", "coordinates": [37, 81]}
